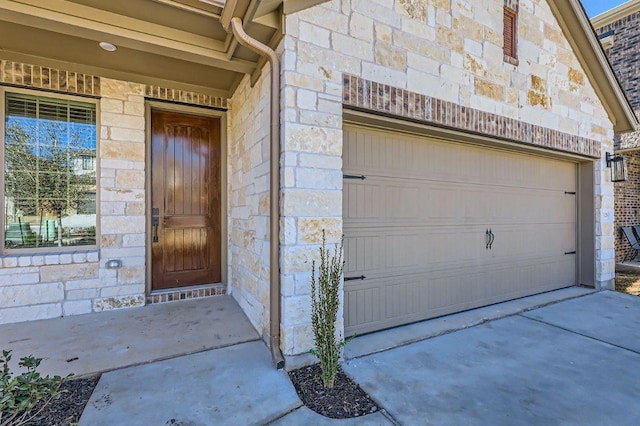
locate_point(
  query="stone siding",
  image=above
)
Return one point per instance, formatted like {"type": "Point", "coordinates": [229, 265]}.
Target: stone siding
{"type": "Point", "coordinates": [248, 192]}
{"type": "Point", "coordinates": [44, 285]}
{"type": "Point", "coordinates": [448, 50]}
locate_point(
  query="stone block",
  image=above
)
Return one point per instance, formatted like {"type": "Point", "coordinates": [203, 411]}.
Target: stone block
{"type": "Point", "coordinates": [126, 135]}
{"type": "Point", "coordinates": [314, 203]}
{"type": "Point", "coordinates": [115, 106]}
{"type": "Point", "coordinates": [68, 272]}
{"type": "Point", "coordinates": [315, 34]}
{"type": "Point", "coordinates": [130, 178]}
{"type": "Point", "coordinates": [122, 224]}
{"type": "Point", "coordinates": [489, 89]}
{"type": "Point", "coordinates": [76, 307]}
{"type": "Point", "coordinates": [361, 27]}
{"type": "Point", "coordinates": [390, 56]}
{"type": "Point", "coordinates": [121, 302]}
{"type": "Point", "coordinates": [10, 262]}
{"type": "Point", "coordinates": [23, 295]}
{"type": "Point", "coordinates": [30, 313]}
{"type": "Point", "coordinates": [310, 230]}
{"type": "Point", "coordinates": [296, 310]}
{"type": "Point", "coordinates": [122, 150]}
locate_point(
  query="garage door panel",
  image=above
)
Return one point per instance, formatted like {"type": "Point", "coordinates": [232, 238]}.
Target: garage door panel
{"type": "Point", "coordinates": [405, 201]}
{"type": "Point", "coordinates": [385, 154]}
{"type": "Point", "coordinates": [416, 227]}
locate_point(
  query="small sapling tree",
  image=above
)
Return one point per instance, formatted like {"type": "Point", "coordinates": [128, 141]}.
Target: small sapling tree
{"type": "Point", "coordinates": [325, 301]}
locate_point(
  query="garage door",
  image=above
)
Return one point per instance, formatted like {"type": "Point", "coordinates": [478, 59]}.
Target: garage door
{"type": "Point", "coordinates": [434, 227]}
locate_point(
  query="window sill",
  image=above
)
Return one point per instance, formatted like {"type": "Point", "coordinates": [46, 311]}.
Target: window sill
{"type": "Point", "coordinates": [15, 260]}
{"type": "Point", "coordinates": [511, 60]}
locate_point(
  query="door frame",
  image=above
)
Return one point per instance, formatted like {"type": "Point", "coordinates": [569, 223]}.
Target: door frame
{"type": "Point", "coordinates": [198, 111]}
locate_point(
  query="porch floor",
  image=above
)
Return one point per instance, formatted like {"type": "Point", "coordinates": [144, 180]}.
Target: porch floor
{"type": "Point", "coordinates": [99, 342]}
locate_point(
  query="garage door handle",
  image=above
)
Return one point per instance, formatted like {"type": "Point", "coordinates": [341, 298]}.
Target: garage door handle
{"type": "Point", "coordinates": [361, 277]}
{"type": "Point", "coordinates": [489, 237]}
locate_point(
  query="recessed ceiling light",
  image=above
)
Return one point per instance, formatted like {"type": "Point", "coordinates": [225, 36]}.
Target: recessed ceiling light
{"type": "Point", "coordinates": [108, 46]}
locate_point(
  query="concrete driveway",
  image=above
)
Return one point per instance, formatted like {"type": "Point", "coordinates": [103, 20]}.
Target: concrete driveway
{"type": "Point", "coordinates": [568, 357]}
{"type": "Point", "coordinates": [571, 363]}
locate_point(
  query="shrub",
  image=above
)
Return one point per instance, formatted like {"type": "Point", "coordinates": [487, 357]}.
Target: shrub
{"type": "Point", "coordinates": [20, 395]}
{"type": "Point", "coordinates": [325, 300]}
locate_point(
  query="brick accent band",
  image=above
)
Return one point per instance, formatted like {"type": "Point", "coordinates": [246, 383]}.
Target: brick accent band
{"type": "Point", "coordinates": [35, 76]}
{"type": "Point", "coordinates": [174, 95]}
{"type": "Point", "coordinates": [378, 97]}
{"type": "Point", "coordinates": [175, 295]}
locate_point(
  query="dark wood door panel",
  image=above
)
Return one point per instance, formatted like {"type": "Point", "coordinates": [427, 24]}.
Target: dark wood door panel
{"type": "Point", "coordinates": [186, 197]}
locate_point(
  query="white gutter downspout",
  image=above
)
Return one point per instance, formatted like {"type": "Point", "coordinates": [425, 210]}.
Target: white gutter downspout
{"type": "Point", "coordinates": [274, 223]}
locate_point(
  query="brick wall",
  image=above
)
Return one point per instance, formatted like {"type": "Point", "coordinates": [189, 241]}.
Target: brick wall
{"type": "Point", "coordinates": [624, 55]}
{"type": "Point", "coordinates": [627, 205]}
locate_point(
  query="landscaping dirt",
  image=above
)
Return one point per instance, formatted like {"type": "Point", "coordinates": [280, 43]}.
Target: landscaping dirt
{"type": "Point", "coordinates": [345, 400]}
{"type": "Point", "coordinates": [628, 282]}
{"type": "Point", "coordinates": [68, 408]}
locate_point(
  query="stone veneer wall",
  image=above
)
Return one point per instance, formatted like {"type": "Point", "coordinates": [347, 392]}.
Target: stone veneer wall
{"type": "Point", "coordinates": [45, 285]}
{"type": "Point", "coordinates": [248, 142]}
{"type": "Point", "coordinates": [449, 50]}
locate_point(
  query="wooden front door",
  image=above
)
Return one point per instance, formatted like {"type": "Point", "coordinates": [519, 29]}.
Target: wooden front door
{"type": "Point", "coordinates": [185, 197]}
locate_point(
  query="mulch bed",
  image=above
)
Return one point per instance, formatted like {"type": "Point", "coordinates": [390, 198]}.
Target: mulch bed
{"type": "Point", "coordinates": [345, 400]}
{"type": "Point", "coordinates": [628, 282]}
{"type": "Point", "coordinates": [67, 409]}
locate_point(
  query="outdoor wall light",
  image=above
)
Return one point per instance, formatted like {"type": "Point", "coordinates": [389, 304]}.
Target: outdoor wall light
{"type": "Point", "coordinates": [618, 165]}
{"type": "Point", "coordinates": [113, 264]}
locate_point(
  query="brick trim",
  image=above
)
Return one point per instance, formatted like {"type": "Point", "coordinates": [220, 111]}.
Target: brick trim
{"type": "Point", "coordinates": [186, 294]}
{"type": "Point", "coordinates": [38, 77]}
{"type": "Point", "coordinates": [378, 97]}
{"type": "Point", "coordinates": [191, 98]}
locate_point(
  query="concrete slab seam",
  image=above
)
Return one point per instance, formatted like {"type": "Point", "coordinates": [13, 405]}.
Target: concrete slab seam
{"type": "Point", "coordinates": [389, 416]}
{"type": "Point", "coordinates": [578, 333]}
{"type": "Point", "coordinates": [278, 417]}
{"type": "Point", "coordinates": [137, 364]}
{"type": "Point", "coordinates": [475, 324]}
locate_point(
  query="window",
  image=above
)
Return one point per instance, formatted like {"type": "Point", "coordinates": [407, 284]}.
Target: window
{"type": "Point", "coordinates": [49, 148]}
{"type": "Point", "coordinates": [510, 36]}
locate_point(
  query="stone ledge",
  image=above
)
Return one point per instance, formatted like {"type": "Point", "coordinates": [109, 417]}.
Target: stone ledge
{"type": "Point", "coordinates": [41, 259]}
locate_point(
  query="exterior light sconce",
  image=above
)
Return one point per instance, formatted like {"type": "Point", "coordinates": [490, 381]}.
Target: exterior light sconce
{"type": "Point", "coordinates": [618, 165]}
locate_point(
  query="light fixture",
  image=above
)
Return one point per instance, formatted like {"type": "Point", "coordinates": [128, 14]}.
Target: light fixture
{"type": "Point", "coordinates": [618, 165]}
{"type": "Point", "coordinates": [108, 46]}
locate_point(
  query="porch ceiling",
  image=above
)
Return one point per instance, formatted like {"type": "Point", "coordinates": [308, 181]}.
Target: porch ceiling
{"type": "Point", "coordinates": [176, 43]}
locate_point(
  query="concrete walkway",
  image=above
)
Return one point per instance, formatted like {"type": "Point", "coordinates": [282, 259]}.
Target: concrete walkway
{"type": "Point", "coordinates": [92, 343]}
{"type": "Point", "coordinates": [568, 362]}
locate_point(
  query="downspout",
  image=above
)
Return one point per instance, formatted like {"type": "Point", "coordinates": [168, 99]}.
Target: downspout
{"type": "Point", "coordinates": [274, 220]}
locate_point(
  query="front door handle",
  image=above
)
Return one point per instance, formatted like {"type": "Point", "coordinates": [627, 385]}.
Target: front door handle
{"type": "Point", "coordinates": [155, 221]}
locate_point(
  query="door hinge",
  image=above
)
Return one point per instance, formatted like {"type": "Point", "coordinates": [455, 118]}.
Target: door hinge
{"type": "Point", "coordinates": [361, 177]}
{"type": "Point", "coordinates": [361, 277]}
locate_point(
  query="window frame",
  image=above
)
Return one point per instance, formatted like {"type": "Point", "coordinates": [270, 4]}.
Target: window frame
{"type": "Point", "coordinates": [510, 56]}
{"type": "Point", "coordinates": [54, 95]}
